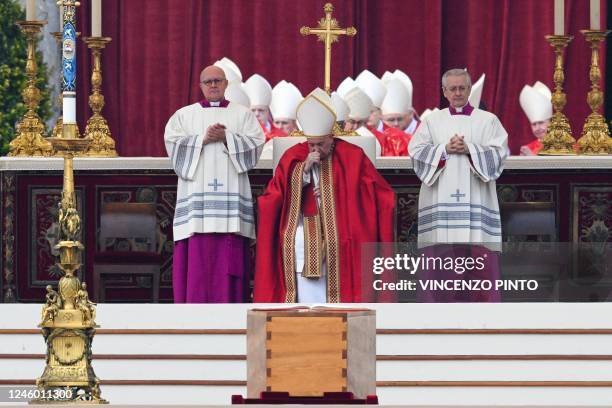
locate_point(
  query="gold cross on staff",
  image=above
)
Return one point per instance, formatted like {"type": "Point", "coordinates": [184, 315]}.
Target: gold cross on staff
{"type": "Point", "coordinates": [328, 32]}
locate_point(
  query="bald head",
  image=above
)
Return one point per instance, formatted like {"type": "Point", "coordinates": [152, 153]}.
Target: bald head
{"type": "Point", "coordinates": [213, 83]}
{"type": "Point", "coordinates": [212, 70]}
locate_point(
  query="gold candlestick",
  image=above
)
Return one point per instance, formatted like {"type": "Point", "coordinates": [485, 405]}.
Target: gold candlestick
{"type": "Point", "coordinates": [102, 143]}
{"type": "Point", "coordinates": [59, 124]}
{"type": "Point", "coordinates": [595, 139]}
{"type": "Point", "coordinates": [29, 139]}
{"type": "Point", "coordinates": [558, 139]}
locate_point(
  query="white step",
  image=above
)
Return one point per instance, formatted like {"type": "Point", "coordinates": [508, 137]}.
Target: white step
{"type": "Point", "coordinates": [422, 327]}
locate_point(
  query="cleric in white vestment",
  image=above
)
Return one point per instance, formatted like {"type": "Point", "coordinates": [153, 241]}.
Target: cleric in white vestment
{"type": "Point", "coordinates": [212, 144]}
{"type": "Point", "coordinates": [458, 153]}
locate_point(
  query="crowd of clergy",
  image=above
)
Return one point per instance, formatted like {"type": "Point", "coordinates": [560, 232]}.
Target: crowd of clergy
{"type": "Point", "coordinates": [368, 106]}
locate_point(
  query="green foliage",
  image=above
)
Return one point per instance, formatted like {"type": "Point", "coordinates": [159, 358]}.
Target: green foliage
{"type": "Point", "coordinates": [13, 79]}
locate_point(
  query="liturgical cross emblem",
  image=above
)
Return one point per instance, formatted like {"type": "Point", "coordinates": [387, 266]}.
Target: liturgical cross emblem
{"type": "Point", "coordinates": [328, 32]}
{"type": "Point", "coordinates": [215, 184]}
{"type": "Point", "coordinates": [457, 195]}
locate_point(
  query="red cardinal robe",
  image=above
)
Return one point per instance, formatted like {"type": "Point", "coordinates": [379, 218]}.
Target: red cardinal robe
{"type": "Point", "coordinates": [356, 206]}
{"type": "Point", "coordinates": [274, 132]}
{"type": "Point", "coordinates": [535, 146]}
{"type": "Point", "coordinates": [396, 142]}
{"type": "Point", "coordinates": [380, 136]}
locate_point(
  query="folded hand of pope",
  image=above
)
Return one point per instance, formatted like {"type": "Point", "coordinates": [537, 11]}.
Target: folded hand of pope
{"type": "Point", "coordinates": [312, 159]}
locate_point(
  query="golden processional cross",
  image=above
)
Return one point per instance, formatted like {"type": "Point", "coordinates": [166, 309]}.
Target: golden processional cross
{"type": "Point", "coordinates": [328, 32]}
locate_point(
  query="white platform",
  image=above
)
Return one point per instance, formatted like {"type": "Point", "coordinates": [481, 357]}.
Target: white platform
{"type": "Point", "coordinates": [428, 354]}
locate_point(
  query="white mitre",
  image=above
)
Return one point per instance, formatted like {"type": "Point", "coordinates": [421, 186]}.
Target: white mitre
{"type": "Point", "coordinates": [231, 70]}
{"type": "Point", "coordinates": [543, 89]}
{"type": "Point", "coordinates": [397, 100]}
{"type": "Point", "coordinates": [372, 86]}
{"type": "Point", "coordinates": [231, 74]}
{"type": "Point", "coordinates": [234, 93]}
{"type": "Point", "coordinates": [360, 104]}
{"type": "Point", "coordinates": [386, 77]}
{"type": "Point", "coordinates": [345, 86]}
{"type": "Point", "coordinates": [476, 92]}
{"type": "Point", "coordinates": [402, 76]}
{"type": "Point", "coordinates": [535, 101]}
{"type": "Point", "coordinates": [259, 90]}
{"type": "Point", "coordinates": [340, 106]}
{"type": "Point", "coordinates": [427, 112]}
{"type": "Point", "coordinates": [316, 114]}
{"type": "Point", "coordinates": [285, 99]}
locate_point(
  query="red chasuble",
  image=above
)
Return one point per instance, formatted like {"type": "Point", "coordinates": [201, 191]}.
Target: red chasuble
{"type": "Point", "coordinates": [356, 207]}
{"type": "Point", "coordinates": [535, 146]}
{"type": "Point", "coordinates": [396, 142]}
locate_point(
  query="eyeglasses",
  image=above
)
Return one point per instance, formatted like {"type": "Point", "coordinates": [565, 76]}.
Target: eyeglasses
{"type": "Point", "coordinates": [454, 89]}
{"type": "Point", "coordinates": [354, 122]}
{"type": "Point", "coordinates": [213, 81]}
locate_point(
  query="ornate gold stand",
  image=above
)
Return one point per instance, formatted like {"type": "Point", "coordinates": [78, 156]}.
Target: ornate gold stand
{"type": "Point", "coordinates": [595, 139]}
{"type": "Point", "coordinates": [68, 317]}
{"type": "Point", "coordinates": [558, 139]}
{"type": "Point", "coordinates": [102, 143]}
{"type": "Point", "coordinates": [29, 139]}
{"type": "Point", "coordinates": [57, 129]}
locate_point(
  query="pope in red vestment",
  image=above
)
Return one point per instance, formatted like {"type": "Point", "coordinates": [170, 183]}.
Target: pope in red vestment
{"type": "Point", "coordinates": [325, 202]}
{"type": "Point", "coordinates": [357, 207]}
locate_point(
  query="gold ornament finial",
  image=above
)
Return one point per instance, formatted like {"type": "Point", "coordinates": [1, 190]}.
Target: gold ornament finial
{"type": "Point", "coordinates": [328, 31]}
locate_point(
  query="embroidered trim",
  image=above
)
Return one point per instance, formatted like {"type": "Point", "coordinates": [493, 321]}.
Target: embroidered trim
{"type": "Point", "coordinates": [295, 189]}
{"type": "Point", "coordinates": [330, 230]}
{"type": "Point", "coordinates": [313, 247]}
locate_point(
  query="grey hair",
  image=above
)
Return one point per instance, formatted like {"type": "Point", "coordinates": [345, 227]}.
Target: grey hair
{"type": "Point", "coordinates": [456, 72]}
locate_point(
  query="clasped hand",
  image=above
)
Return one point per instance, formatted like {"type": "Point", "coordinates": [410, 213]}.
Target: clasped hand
{"type": "Point", "coordinates": [312, 159]}
{"type": "Point", "coordinates": [215, 133]}
{"type": "Point", "coordinates": [457, 145]}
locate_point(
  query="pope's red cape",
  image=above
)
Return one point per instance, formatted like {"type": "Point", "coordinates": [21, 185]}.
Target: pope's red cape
{"type": "Point", "coordinates": [364, 213]}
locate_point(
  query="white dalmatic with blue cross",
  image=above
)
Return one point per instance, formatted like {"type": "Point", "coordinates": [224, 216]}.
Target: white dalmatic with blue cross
{"type": "Point", "coordinates": [213, 192]}
{"type": "Point", "coordinates": [458, 198]}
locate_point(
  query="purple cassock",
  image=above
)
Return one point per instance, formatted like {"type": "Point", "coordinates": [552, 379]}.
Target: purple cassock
{"type": "Point", "coordinates": [211, 268]}
{"type": "Point", "coordinates": [490, 272]}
